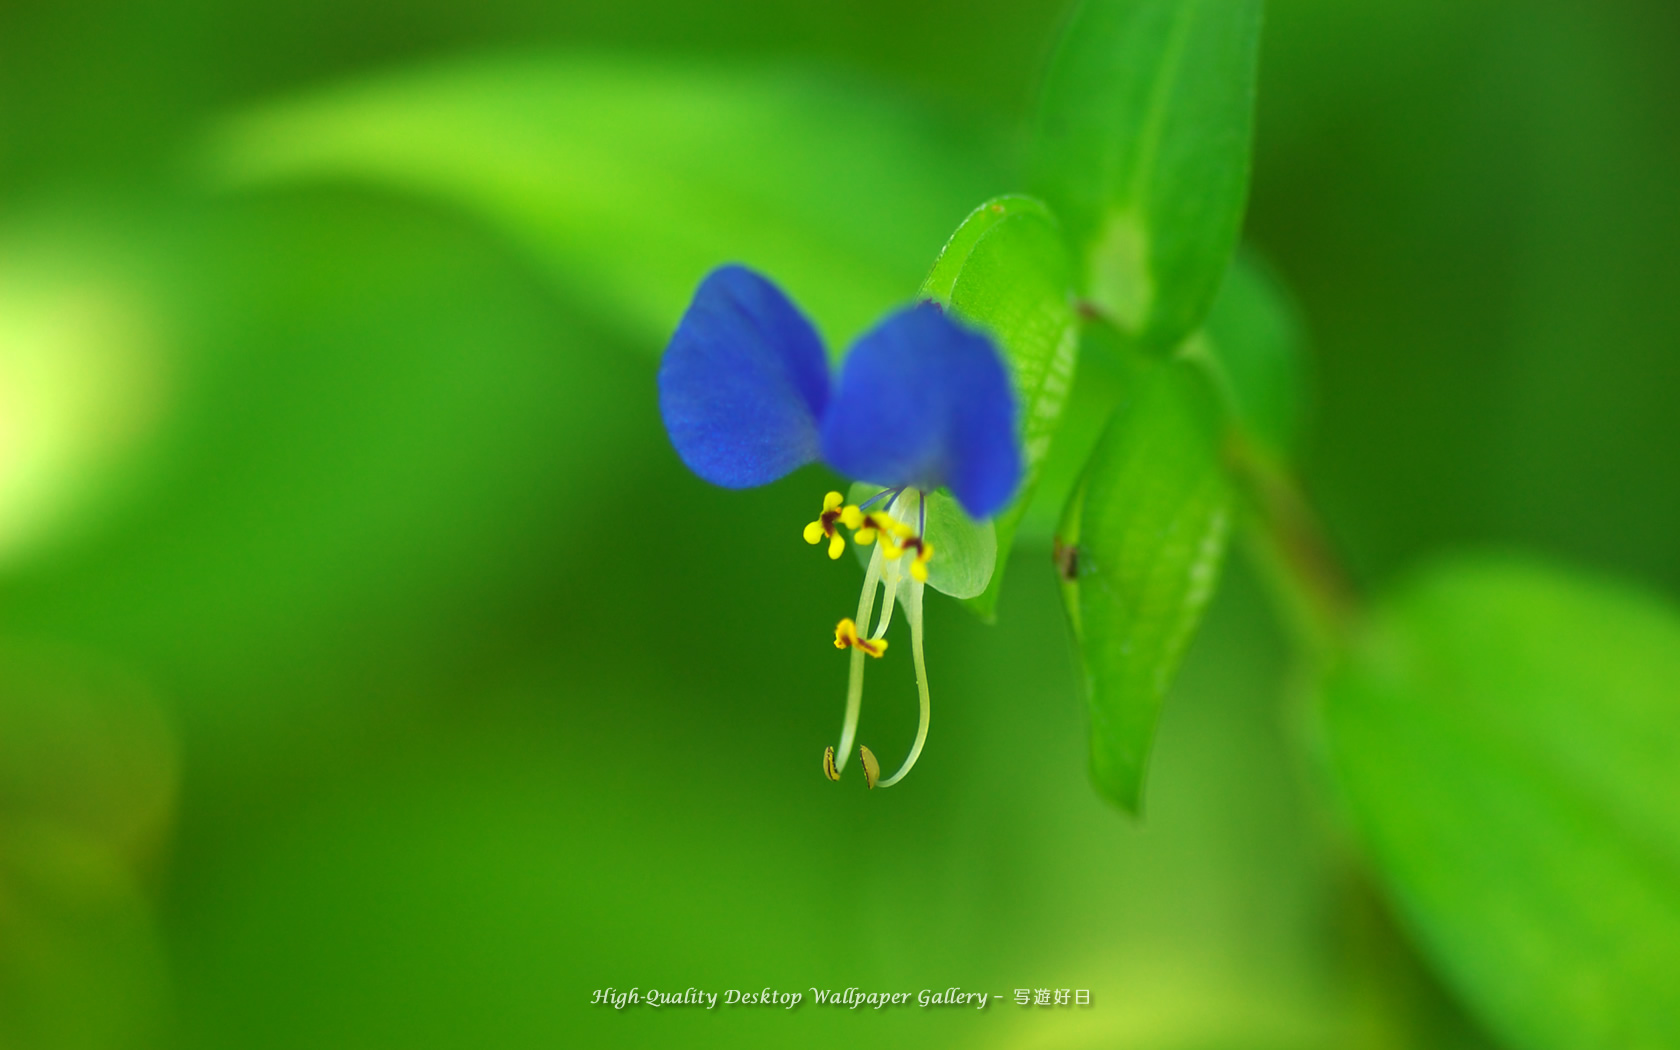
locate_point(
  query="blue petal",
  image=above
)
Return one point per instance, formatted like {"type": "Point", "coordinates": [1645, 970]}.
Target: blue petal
{"type": "Point", "coordinates": [924, 401]}
{"type": "Point", "coordinates": [744, 382]}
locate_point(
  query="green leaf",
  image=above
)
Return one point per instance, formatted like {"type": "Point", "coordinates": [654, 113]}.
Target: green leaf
{"type": "Point", "coordinates": [1253, 339]}
{"type": "Point", "coordinates": [965, 552]}
{"type": "Point", "coordinates": [1143, 151]}
{"type": "Point", "coordinates": [1507, 735]}
{"type": "Point", "coordinates": [1110, 374]}
{"type": "Point", "coordinates": [630, 180]}
{"type": "Point", "coordinates": [1006, 270]}
{"type": "Point", "coordinates": [1143, 541]}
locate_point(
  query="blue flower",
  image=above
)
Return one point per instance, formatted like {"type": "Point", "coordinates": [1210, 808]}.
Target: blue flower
{"type": "Point", "coordinates": [921, 403]}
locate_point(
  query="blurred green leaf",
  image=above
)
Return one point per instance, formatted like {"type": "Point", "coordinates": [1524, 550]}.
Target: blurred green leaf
{"type": "Point", "coordinates": [80, 960]}
{"type": "Point", "coordinates": [1508, 739]}
{"type": "Point", "coordinates": [1144, 144]}
{"type": "Point", "coordinates": [1143, 539]}
{"type": "Point", "coordinates": [1253, 338]}
{"type": "Point", "coordinates": [1006, 269]}
{"type": "Point", "coordinates": [965, 552]}
{"type": "Point", "coordinates": [84, 746]}
{"type": "Point", "coordinates": [87, 788]}
{"type": "Point", "coordinates": [630, 180]}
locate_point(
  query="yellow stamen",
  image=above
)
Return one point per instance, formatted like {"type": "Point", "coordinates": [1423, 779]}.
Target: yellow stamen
{"type": "Point", "coordinates": [828, 764]}
{"type": "Point", "coordinates": [896, 540]}
{"type": "Point", "coordinates": [832, 513]}
{"type": "Point", "coordinates": [888, 529]}
{"type": "Point", "coordinates": [867, 526]}
{"type": "Point", "coordinates": [924, 554]}
{"type": "Point", "coordinates": [846, 637]}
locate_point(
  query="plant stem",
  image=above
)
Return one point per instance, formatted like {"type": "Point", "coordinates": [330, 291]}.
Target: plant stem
{"type": "Point", "coordinates": [1307, 580]}
{"type": "Point", "coordinates": [854, 683]}
{"type": "Point", "coordinates": [913, 613]}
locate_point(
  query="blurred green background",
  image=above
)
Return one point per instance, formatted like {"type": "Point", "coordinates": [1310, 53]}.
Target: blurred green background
{"type": "Point", "coordinates": [372, 674]}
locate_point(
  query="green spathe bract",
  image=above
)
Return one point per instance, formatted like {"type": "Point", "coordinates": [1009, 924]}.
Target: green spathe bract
{"type": "Point", "coordinates": [1006, 270]}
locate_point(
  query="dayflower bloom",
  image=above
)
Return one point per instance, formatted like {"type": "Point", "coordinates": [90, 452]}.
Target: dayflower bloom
{"type": "Point", "coordinates": [921, 404]}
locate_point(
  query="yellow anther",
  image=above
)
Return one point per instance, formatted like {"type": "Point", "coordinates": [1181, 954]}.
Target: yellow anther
{"type": "Point", "coordinates": [846, 637]}
{"type": "Point", "coordinates": [924, 554]}
{"type": "Point", "coordinates": [828, 765]}
{"type": "Point", "coordinates": [832, 513]}
{"type": "Point", "coordinates": [890, 531]}
{"type": "Point", "coordinates": [871, 768]}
